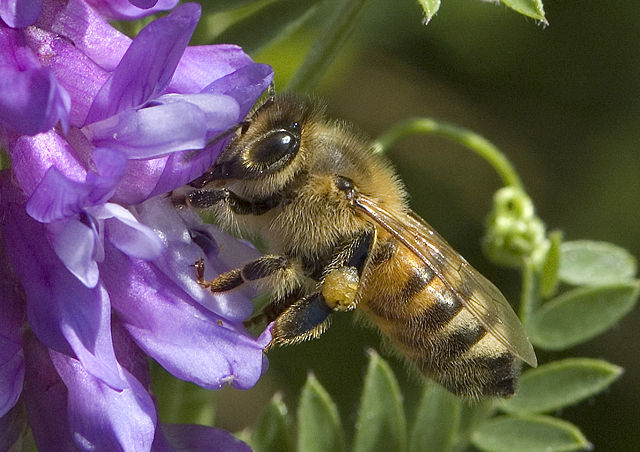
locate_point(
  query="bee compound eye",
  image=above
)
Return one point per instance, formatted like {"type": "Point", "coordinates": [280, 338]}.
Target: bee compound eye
{"type": "Point", "coordinates": [274, 147]}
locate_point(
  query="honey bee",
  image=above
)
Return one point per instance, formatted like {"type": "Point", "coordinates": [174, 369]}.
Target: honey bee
{"type": "Point", "coordinates": [341, 235]}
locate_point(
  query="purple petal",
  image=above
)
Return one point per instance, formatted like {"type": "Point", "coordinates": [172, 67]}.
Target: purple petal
{"type": "Point", "coordinates": [31, 158]}
{"type": "Point", "coordinates": [31, 100]}
{"type": "Point", "coordinates": [144, 4]}
{"type": "Point", "coordinates": [147, 178]}
{"type": "Point", "coordinates": [102, 418]}
{"type": "Point", "coordinates": [186, 438]}
{"type": "Point", "coordinates": [57, 197]}
{"type": "Point", "coordinates": [189, 341]}
{"type": "Point", "coordinates": [124, 10]}
{"type": "Point", "coordinates": [89, 32]}
{"type": "Point", "coordinates": [201, 65]}
{"type": "Point", "coordinates": [179, 122]}
{"type": "Point", "coordinates": [15, 52]}
{"type": "Point", "coordinates": [127, 234]}
{"type": "Point", "coordinates": [76, 72]}
{"type": "Point", "coordinates": [45, 397]}
{"type": "Point", "coordinates": [19, 14]}
{"type": "Point", "coordinates": [12, 319]}
{"type": "Point", "coordinates": [148, 65]}
{"type": "Point", "coordinates": [140, 179]}
{"type": "Point", "coordinates": [221, 112]}
{"type": "Point", "coordinates": [152, 131]}
{"type": "Point", "coordinates": [75, 244]}
{"type": "Point", "coordinates": [183, 167]}
{"type": "Point", "coordinates": [181, 252]}
{"type": "Point", "coordinates": [63, 313]}
{"type": "Point", "coordinates": [129, 355]}
{"type": "Point", "coordinates": [11, 374]}
{"type": "Point", "coordinates": [245, 85]}
{"type": "Point", "coordinates": [110, 166]}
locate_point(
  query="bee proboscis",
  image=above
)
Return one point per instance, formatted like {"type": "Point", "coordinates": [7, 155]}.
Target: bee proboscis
{"type": "Point", "coordinates": [341, 236]}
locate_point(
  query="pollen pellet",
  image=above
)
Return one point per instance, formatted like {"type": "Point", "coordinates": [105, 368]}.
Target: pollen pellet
{"type": "Point", "coordinates": [340, 288]}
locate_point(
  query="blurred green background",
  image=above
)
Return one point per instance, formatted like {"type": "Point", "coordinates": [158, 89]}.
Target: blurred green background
{"type": "Point", "coordinates": [563, 102]}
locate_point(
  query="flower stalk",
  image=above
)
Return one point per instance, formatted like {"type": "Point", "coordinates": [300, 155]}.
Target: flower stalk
{"type": "Point", "coordinates": [471, 140]}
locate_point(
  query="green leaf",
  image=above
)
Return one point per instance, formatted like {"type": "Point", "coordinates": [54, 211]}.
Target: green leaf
{"type": "Point", "coordinates": [560, 384]}
{"type": "Point", "coordinates": [272, 433]}
{"type": "Point", "coordinates": [551, 266]}
{"type": "Point", "coordinates": [275, 21]}
{"type": "Point", "coordinates": [529, 8]}
{"type": "Point", "coordinates": [529, 434]}
{"type": "Point", "coordinates": [580, 314]}
{"type": "Point", "coordinates": [319, 427]}
{"type": "Point", "coordinates": [430, 8]}
{"type": "Point", "coordinates": [381, 424]}
{"type": "Point", "coordinates": [179, 401]}
{"type": "Point", "coordinates": [328, 43]}
{"type": "Point", "coordinates": [14, 430]}
{"type": "Point", "coordinates": [437, 420]}
{"type": "Point", "coordinates": [595, 263]}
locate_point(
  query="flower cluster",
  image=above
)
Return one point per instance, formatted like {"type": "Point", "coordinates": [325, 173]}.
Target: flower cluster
{"type": "Point", "coordinates": [95, 260]}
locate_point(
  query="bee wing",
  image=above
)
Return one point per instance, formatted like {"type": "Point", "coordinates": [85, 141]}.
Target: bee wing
{"type": "Point", "coordinates": [475, 292]}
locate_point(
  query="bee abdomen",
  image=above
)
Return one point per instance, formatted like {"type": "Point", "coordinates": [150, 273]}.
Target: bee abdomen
{"type": "Point", "coordinates": [465, 358]}
{"type": "Point", "coordinates": [429, 324]}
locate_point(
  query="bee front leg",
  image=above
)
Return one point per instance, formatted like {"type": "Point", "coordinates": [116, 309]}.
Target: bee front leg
{"type": "Point", "coordinates": [206, 198]}
{"type": "Point", "coordinates": [260, 268]}
{"type": "Point", "coordinates": [209, 197]}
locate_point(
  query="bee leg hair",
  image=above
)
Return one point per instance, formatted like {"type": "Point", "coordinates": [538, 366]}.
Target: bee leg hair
{"type": "Point", "coordinates": [209, 197]}
{"type": "Point", "coordinates": [260, 268]}
{"type": "Point", "coordinates": [306, 318]}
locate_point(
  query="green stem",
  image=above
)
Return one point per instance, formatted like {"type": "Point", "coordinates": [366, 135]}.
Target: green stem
{"type": "Point", "coordinates": [478, 144]}
{"type": "Point", "coordinates": [5, 160]}
{"type": "Point", "coordinates": [327, 45]}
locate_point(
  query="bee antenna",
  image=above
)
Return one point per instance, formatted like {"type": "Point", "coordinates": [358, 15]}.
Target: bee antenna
{"type": "Point", "coordinates": [271, 91]}
{"type": "Point", "coordinates": [225, 133]}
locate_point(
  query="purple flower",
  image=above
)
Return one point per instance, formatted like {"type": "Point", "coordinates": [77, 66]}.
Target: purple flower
{"type": "Point", "coordinates": [130, 9]}
{"type": "Point", "coordinates": [31, 100]}
{"type": "Point", "coordinates": [96, 260]}
{"type": "Point", "coordinates": [22, 13]}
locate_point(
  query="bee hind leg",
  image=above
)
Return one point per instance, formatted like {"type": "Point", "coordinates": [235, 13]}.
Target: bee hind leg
{"type": "Point", "coordinates": [304, 319]}
{"type": "Point", "coordinates": [341, 282]}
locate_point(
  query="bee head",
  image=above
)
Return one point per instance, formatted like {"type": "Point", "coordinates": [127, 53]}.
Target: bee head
{"type": "Point", "coordinates": [267, 146]}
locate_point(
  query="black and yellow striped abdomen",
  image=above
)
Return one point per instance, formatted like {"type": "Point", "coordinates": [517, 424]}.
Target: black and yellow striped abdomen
{"type": "Point", "coordinates": [430, 325]}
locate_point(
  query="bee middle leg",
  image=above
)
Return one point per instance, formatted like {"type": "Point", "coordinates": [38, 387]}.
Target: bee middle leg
{"type": "Point", "coordinates": [260, 268]}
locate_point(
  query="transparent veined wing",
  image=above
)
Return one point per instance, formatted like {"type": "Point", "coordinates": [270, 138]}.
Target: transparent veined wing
{"type": "Point", "coordinates": [475, 292]}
